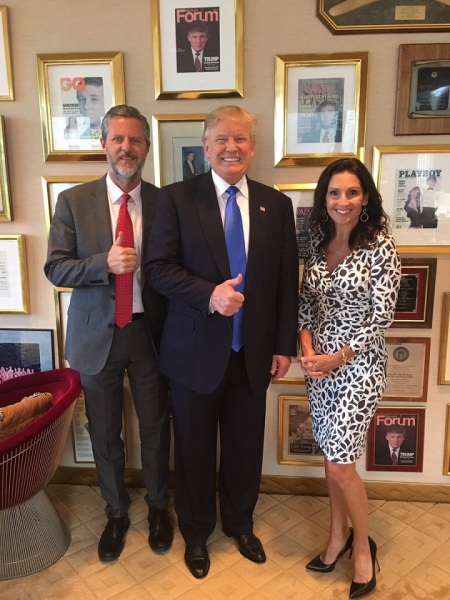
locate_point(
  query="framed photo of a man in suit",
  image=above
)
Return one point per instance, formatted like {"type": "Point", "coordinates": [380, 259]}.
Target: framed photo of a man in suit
{"type": "Point", "coordinates": [320, 107]}
{"type": "Point", "coordinates": [198, 48]}
{"type": "Point", "coordinates": [395, 439]}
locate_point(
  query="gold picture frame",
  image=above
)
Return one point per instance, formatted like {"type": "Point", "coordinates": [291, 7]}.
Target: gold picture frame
{"type": "Point", "coordinates": [423, 96]}
{"type": "Point", "coordinates": [384, 16]}
{"type": "Point", "coordinates": [54, 184]}
{"type": "Point", "coordinates": [6, 80]}
{"type": "Point", "coordinates": [400, 170]}
{"type": "Point", "coordinates": [75, 92]}
{"type": "Point", "coordinates": [444, 352]}
{"type": "Point", "coordinates": [5, 197]}
{"type": "Point", "coordinates": [408, 364]}
{"type": "Point", "coordinates": [173, 137]}
{"type": "Point", "coordinates": [221, 74]}
{"type": "Point", "coordinates": [446, 469]}
{"type": "Point", "coordinates": [308, 86]}
{"type": "Point", "coordinates": [414, 306]}
{"type": "Point", "coordinates": [296, 443]}
{"type": "Point", "coordinates": [14, 275]}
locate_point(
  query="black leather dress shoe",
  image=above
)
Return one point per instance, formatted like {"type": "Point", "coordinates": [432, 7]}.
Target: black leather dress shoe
{"type": "Point", "coordinates": [161, 533]}
{"type": "Point", "coordinates": [197, 560]}
{"type": "Point", "coordinates": [113, 539]}
{"type": "Point", "coordinates": [250, 547]}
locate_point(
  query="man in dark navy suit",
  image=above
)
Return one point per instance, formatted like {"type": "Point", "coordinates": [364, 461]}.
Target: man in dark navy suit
{"type": "Point", "coordinates": [214, 380]}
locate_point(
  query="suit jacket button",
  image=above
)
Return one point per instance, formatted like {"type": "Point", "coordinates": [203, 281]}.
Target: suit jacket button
{"type": "Point", "coordinates": [110, 325]}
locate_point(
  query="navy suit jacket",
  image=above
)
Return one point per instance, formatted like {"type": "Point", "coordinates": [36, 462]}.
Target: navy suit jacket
{"type": "Point", "coordinates": [187, 258]}
{"type": "Point", "coordinates": [79, 241]}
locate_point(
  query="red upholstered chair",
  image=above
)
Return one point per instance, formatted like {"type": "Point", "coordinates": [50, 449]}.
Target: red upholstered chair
{"type": "Point", "coordinates": [32, 534]}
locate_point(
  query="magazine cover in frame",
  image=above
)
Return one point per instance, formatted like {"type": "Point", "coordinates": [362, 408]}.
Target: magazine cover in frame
{"type": "Point", "coordinates": [395, 439]}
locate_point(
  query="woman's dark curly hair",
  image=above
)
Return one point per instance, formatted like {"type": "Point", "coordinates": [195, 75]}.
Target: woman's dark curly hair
{"type": "Point", "coordinates": [364, 233]}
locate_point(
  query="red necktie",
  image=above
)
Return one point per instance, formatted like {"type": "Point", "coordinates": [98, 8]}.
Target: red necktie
{"type": "Point", "coordinates": [197, 63]}
{"type": "Point", "coordinates": [124, 283]}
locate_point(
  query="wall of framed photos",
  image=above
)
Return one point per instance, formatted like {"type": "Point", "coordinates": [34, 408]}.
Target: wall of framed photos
{"type": "Point", "coordinates": [271, 44]}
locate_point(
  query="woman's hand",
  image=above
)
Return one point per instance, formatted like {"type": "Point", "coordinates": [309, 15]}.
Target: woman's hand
{"type": "Point", "coordinates": [318, 366]}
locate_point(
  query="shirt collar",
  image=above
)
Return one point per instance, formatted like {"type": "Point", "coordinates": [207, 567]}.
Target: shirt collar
{"type": "Point", "coordinates": [221, 185]}
{"type": "Point", "coordinates": [115, 193]}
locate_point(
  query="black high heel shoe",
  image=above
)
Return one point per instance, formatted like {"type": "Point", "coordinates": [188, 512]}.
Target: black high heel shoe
{"type": "Point", "coordinates": [357, 590]}
{"type": "Point", "coordinates": [318, 565]}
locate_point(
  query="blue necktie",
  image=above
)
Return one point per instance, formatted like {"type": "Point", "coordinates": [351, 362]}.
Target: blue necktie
{"type": "Point", "coordinates": [234, 238]}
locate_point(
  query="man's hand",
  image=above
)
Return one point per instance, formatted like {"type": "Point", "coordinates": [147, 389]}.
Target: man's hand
{"type": "Point", "coordinates": [280, 366]}
{"type": "Point", "coordinates": [225, 300]}
{"type": "Point", "coordinates": [121, 260]}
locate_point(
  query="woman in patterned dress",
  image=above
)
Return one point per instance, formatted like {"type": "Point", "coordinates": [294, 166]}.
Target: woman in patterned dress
{"type": "Point", "coordinates": [347, 301]}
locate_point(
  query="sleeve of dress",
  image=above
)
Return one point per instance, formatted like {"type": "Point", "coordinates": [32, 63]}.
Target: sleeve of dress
{"type": "Point", "coordinates": [385, 282]}
{"type": "Point", "coordinates": [307, 307]}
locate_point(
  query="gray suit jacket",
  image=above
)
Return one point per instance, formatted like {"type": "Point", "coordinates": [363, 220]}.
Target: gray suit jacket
{"type": "Point", "coordinates": [79, 241]}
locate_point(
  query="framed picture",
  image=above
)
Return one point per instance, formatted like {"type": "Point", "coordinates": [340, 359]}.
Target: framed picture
{"type": "Point", "coordinates": [296, 443]}
{"type": "Point", "coordinates": [6, 82]}
{"type": "Point", "coordinates": [5, 199]}
{"type": "Point", "coordinates": [407, 369]}
{"type": "Point", "coordinates": [423, 89]}
{"type": "Point", "coordinates": [75, 92]}
{"type": "Point", "coordinates": [444, 349]}
{"type": "Point", "coordinates": [395, 439]}
{"type": "Point", "coordinates": [14, 290]}
{"type": "Point", "coordinates": [414, 182]}
{"type": "Point", "coordinates": [178, 147]}
{"type": "Point", "coordinates": [198, 48]}
{"type": "Point", "coordinates": [302, 197]}
{"type": "Point", "coordinates": [53, 185]}
{"type": "Point", "coordinates": [24, 351]}
{"type": "Point", "coordinates": [416, 296]}
{"type": "Point", "coordinates": [320, 107]}
{"type": "Point", "coordinates": [384, 16]}
{"type": "Point", "coordinates": [446, 470]}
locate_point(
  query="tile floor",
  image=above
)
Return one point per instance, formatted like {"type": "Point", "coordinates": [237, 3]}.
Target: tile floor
{"type": "Point", "coordinates": [413, 540]}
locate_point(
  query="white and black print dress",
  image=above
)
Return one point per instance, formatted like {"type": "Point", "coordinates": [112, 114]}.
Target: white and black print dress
{"type": "Point", "coordinates": [353, 305]}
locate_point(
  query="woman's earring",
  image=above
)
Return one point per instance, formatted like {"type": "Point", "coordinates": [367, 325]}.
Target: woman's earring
{"type": "Point", "coordinates": [364, 217]}
{"type": "Point", "coordinates": [325, 217]}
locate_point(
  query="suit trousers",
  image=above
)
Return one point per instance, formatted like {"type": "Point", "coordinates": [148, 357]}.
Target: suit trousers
{"type": "Point", "coordinates": [131, 350]}
{"type": "Point", "coordinates": [240, 416]}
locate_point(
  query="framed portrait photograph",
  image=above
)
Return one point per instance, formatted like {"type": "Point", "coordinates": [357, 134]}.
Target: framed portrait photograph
{"type": "Point", "coordinates": [198, 48]}
{"type": "Point", "coordinates": [6, 80]}
{"type": "Point", "coordinates": [423, 89]}
{"type": "Point", "coordinates": [75, 92]}
{"type": "Point", "coordinates": [5, 198]}
{"type": "Point", "coordinates": [407, 369]}
{"type": "Point", "coordinates": [52, 186]}
{"type": "Point", "coordinates": [414, 306]}
{"type": "Point", "coordinates": [414, 182]}
{"type": "Point", "coordinates": [178, 147]}
{"type": "Point", "coordinates": [296, 443]}
{"type": "Point", "coordinates": [14, 288]}
{"type": "Point", "coordinates": [444, 348]}
{"type": "Point", "coordinates": [395, 439]}
{"type": "Point", "coordinates": [24, 351]}
{"type": "Point", "coordinates": [384, 16]}
{"type": "Point", "coordinates": [320, 107]}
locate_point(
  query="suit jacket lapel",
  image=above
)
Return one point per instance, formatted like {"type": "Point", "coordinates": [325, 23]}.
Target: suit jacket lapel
{"type": "Point", "coordinates": [207, 206]}
{"type": "Point", "coordinates": [259, 215]}
{"type": "Point", "coordinates": [99, 212]}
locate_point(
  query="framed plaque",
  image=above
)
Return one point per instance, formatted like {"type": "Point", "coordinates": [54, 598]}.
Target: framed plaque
{"type": "Point", "coordinates": [395, 439]}
{"type": "Point", "coordinates": [296, 443]}
{"type": "Point", "coordinates": [416, 296]}
{"type": "Point", "coordinates": [407, 369]}
{"type": "Point", "coordinates": [384, 16]}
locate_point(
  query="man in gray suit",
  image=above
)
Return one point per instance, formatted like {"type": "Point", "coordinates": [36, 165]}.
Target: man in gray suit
{"type": "Point", "coordinates": [86, 253]}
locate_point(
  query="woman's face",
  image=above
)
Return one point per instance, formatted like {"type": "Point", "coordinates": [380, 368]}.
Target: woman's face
{"type": "Point", "coordinates": [345, 199]}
